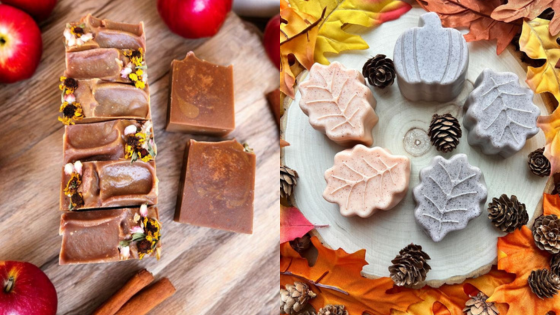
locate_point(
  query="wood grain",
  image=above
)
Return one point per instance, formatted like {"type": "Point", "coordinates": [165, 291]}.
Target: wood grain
{"type": "Point", "coordinates": [214, 272]}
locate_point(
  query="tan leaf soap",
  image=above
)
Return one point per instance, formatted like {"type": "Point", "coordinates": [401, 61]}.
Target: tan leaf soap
{"type": "Point", "coordinates": [364, 180]}
{"type": "Point", "coordinates": [339, 104]}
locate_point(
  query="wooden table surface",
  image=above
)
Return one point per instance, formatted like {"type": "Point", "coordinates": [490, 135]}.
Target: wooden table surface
{"type": "Point", "coordinates": [215, 272]}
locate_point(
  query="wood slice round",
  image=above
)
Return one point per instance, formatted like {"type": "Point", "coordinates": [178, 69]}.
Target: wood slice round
{"type": "Point", "coordinates": [402, 129]}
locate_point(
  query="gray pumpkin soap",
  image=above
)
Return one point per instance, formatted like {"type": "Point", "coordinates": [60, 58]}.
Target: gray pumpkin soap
{"type": "Point", "coordinates": [450, 194]}
{"type": "Point", "coordinates": [499, 114]}
{"type": "Point", "coordinates": [431, 61]}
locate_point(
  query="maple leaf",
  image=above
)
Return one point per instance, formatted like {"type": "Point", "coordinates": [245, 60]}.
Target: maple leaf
{"type": "Point", "coordinates": [293, 224]}
{"type": "Point", "coordinates": [378, 179]}
{"type": "Point", "coordinates": [476, 15]}
{"type": "Point", "coordinates": [537, 43]}
{"type": "Point", "coordinates": [332, 37]}
{"type": "Point", "coordinates": [550, 125]}
{"type": "Point", "coordinates": [528, 9]}
{"type": "Point", "coordinates": [518, 254]}
{"type": "Point", "coordinates": [336, 279]}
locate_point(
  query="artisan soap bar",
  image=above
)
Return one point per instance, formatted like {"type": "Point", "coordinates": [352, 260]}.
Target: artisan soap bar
{"type": "Point", "coordinates": [91, 32]}
{"type": "Point", "coordinates": [499, 114]}
{"type": "Point", "coordinates": [339, 104]}
{"type": "Point", "coordinates": [107, 141]}
{"type": "Point", "coordinates": [103, 184]}
{"type": "Point", "coordinates": [431, 61]}
{"type": "Point", "coordinates": [449, 195]}
{"type": "Point", "coordinates": [364, 180]}
{"type": "Point", "coordinates": [217, 186]}
{"type": "Point", "coordinates": [106, 235]}
{"type": "Point", "coordinates": [102, 63]}
{"type": "Point", "coordinates": [201, 98]}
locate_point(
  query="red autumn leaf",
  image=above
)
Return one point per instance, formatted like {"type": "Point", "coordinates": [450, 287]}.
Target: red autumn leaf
{"type": "Point", "coordinates": [336, 279]}
{"type": "Point", "coordinates": [528, 9]}
{"type": "Point", "coordinates": [293, 224]}
{"type": "Point", "coordinates": [476, 15]}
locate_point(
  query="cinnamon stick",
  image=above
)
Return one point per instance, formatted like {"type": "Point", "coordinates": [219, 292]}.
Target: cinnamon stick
{"type": "Point", "coordinates": [133, 286]}
{"type": "Point", "coordinates": [143, 302]}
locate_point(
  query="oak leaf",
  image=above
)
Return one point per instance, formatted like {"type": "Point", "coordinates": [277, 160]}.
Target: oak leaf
{"type": "Point", "coordinates": [293, 224]}
{"type": "Point", "coordinates": [550, 125]}
{"type": "Point", "coordinates": [518, 254]}
{"type": "Point", "coordinates": [528, 9]}
{"type": "Point", "coordinates": [336, 279]}
{"type": "Point", "coordinates": [537, 43]}
{"type": "Point", "coordinates": [333, 38]}
{"type": "Point", "coordinates": [476, 15]}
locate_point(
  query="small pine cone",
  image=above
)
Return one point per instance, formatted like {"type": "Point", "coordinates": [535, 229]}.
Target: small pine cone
{"type": "Point", "coordinates": [507, 214]}
{"type": "Point", "coordinates": [477, 305]}
{"type": "Point", "coordinates": [445, 132]}
{"type": "Point", "coordinates": [538, 163]}
{"type": "Point", "coordinates": [288, 179]}
{"type": "Point", "coordinates": [379, 71]}
{"type": "Point", "coordinates": [544, 283]}
{"type": "Point", "coordinates": [295, 297]}
{"type": "Point", "coordinates": [301, 244]}
{"type": "Point", "coordinates": [409, 267]}
{"type": "Point", "coordinates": [546, 232]}
{"type": "Point", "coordinates": [555, 264]}
{"type": "Point", "coordinates": [333, 310]}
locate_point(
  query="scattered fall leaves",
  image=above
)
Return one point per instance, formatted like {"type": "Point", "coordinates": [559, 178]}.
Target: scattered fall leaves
{"type": "Point", "coordinates": [293, 224]}
{"type": "Point", "coordinates": [476, 15]}
{"type": "Point", "coordinates": [336, 279]}
{"type": "Point", "coordinates": [550, 125]}
{"type": "Point", "coordinates": [518, 254]}
{"type": "Point", "coordinates": [528, 9]}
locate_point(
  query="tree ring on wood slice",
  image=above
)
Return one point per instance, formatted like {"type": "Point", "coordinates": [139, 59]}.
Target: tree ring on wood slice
{"type": "Point", "coordinates": [402, 130]}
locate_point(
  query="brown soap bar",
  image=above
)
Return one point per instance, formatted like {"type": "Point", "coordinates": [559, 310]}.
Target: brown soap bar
{"type": "Point", "coordinates": [103, 141]}
{"type": "Point", "coordinates": [103, 101]}
{"type": "Point", "coordinates": [101, 33]}
{"type": "Point", "coordinates": [217, 186]}
{"type": "Point", "coordinates": [201, 97]}
{"type": "Point", "coordinates": [106, 235]}
{"type": "Point", "coordinates": [102, 63]}
{"type": "Point", "coordinates": [107, 184]}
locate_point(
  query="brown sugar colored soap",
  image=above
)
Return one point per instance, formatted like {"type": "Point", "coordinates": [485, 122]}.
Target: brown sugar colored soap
{"type": "Point", "coordinates": [102, 63]}
{"type": "Point", "coordinates": [217, 186]}
{"type": "Point", "coordinates": [201, 97]}
{"type": "Point", "coordinates": [106, 235]}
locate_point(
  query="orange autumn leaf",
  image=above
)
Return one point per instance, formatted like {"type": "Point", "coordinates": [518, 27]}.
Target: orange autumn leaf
{"type": "Point", "coordinates": [528, 9]}
{"type": "Point", "coordinates": [550, 125]}
{"type": "Point", "coordinates": [336, 279]}
{"type": "Point", "coordinates": [475, 15]}
{"type": "Point", "coordinates": [518, 254]}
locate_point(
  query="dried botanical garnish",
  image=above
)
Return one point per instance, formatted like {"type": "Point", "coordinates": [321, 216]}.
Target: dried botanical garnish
{"type": "Point", "coordinates": [146, 236]}
{"type": "Point", "coordinates": [135, 68]}
{"type": "Point", "coordinates": [76, 35]}
{"type": "Point", "coordinates": [139, 144]}
{"type": "Point", "coordinates": [68, 85]}
{"type": "Point", "coordinates": [71, 112]}
{"type": "Point", "coordinates": [73, 183]}
{"type": "Point", "coordinates": [71, 190]}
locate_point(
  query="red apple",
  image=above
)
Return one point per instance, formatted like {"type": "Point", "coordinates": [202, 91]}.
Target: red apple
{"type": "Point", "coordinates": [272, 40]}
{"type": "Point", "coordinates": [26, 290]}
{"type": "Point", "coordinates": [38, 9]}
{"type": "Point", "coordinates": [194, 18]}
{"type": "Point", "coordinates": [21, 45]}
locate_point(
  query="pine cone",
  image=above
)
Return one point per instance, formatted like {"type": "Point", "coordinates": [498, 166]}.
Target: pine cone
{"type": "Point", "coordinates": [409, 267]}
{"type": "Point", "coordinates": [538, 163]}
{"type": "Point", "coordinates": [288, 179]}
{"type": "Point", "coordinates": [333, 310]}
{"type": "Point", "coordinates": [294, 298]}
{"type": "Point", "coordinates": [507, 214]}
{"type": "Point", "coordinates": [546, 232]}
{"type": "Point", "coordinates": [544, 283]}
{"type": "Point", "coordinates": [379, 71]}
{"type": "Point", "coordinates": [301, 244]}
{"type": "Point", "coordinates": [555, 264]}
{"type": "Point", "coordinates": [445, 132]}
{"type": "Point", "coordinates": [477, 305]}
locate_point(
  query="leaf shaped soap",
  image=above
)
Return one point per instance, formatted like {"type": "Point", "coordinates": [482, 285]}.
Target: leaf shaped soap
{"type": "Point", "coordinates": [431, 61]}
{"type": "Point", "coordinates": [339, 104]}
{"type": "Point", "coordinates": [499, 114]}
{"type": "Point", "coordinates": [450, 194]}
{"type": "Point", "coordinates": [364, 180]}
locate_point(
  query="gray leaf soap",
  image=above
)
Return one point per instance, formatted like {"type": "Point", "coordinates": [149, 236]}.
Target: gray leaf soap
{"type": "Point", "coordinates": [499, 114]}
{"type": "Point", "coordinates": [431, 61]}
{"type": "Point", "coordinates": [450, 194]}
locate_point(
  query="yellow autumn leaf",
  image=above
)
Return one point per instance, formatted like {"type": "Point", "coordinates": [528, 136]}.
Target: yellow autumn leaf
{"type": "Point", "coordinates": [550, 125]}
{"type": "Point", "coordinates": [332, 37]}
{"type": "Point", "coordinates": [537, 43]}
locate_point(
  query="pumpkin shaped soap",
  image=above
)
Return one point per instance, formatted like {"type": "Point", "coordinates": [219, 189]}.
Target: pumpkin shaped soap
{"type": "Point", "coordinates": [431, 61]}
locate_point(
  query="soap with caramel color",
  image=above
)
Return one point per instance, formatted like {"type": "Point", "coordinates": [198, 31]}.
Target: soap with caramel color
{"type": "Point", "coordinates": [217, 186]}
{"type": "Point", "coordinates": [201, 97]}
{"type": "Point", "coordinates": [103, 63]}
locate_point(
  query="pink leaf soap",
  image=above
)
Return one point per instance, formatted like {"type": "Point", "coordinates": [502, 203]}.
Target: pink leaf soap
{"type": "Point", "coordinates": [364, 180]}
{"type": "Point", "coordinates": [339, 104]}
